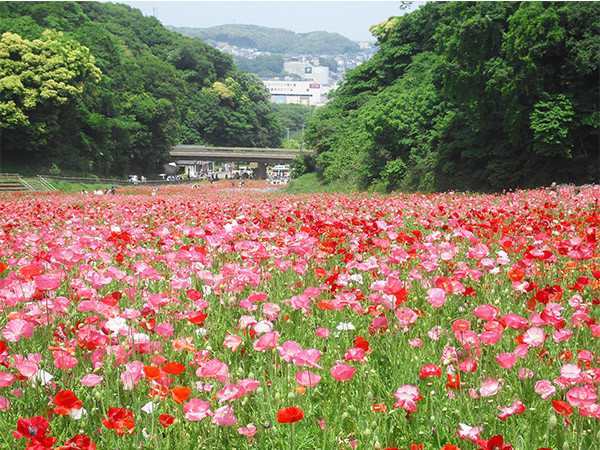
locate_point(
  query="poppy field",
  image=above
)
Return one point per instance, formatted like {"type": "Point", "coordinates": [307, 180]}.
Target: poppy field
{"type": "Point", "coordinates": [237, 318]}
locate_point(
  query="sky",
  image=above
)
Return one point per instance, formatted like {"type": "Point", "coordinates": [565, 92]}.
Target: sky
{"type": "Point", "coordinates": [348, 18]}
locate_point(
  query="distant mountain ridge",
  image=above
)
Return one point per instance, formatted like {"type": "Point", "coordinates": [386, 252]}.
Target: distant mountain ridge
{"type": "Point", "coordinates": [273, 40]}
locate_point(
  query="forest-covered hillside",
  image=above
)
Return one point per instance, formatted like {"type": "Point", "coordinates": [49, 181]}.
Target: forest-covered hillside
{"type": "Point", "coordinates": [99, 86]}
{"type": "Point", "coordinates": [470, 95]}
{"type": "Point", "coordinates": [274, 40]}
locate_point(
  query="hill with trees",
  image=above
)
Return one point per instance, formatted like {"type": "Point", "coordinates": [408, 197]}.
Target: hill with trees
{"type": "Point", "coordinates": [99, 86]}
{"type": "Point", "coordinates": [274, 40]}
{"type": "Point", "coordinates": [469, 95]}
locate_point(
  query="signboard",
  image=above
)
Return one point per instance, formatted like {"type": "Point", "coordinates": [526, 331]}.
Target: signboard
{"type": "Point", "coordinates": [314, 86]}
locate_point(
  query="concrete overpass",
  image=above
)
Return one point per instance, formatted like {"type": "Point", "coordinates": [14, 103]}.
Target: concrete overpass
{"type": "Point", "coordinates": [261, 156]}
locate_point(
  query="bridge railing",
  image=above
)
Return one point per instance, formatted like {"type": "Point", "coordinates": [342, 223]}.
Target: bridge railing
{"type": "Point", "coordinates": [267, 151]}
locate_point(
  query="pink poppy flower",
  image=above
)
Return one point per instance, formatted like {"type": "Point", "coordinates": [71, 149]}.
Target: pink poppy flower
{"type": "Point", "coordinates": [535, 337]}
{"type": "Point", "coordinates": [407, 396]}
{"type": "Point", "coordinates": [516, 408]}
{"type": "Point", "coordinates": [248, 430]}
{"type": "Point", "coordinates": [416, 342]}
{"type": "Point", "coordinates": [196, 409]}
{"type": "Point", "coordinates": [506, 360]}
{"type": "Point", "coordinates": [17, 328]}
{"type": "Point", "coordinates": [289, 350]}
{"type": "Point", "coordinates": [232, 341]}
{"type": "Point", "coordinates": [213, 369]}
{"type": "Point", "coordinates": [436, 296]}
{"type": "Point", "coordinates": [562, 335]}
{"type": "Point", "coordinates": [308, 358]}
{"type": "Point", "coordinates": [489, 387]}
{"type": "Point", "coordinates": [165, 329]}
{"type": "Point", "coordinates": [342, 372]}
{"type": "Point", "coordinates": [524, 374]}
{"type": "Point", "coordinates": [489, 337]}
{"type": "Point", "coordinates": [545, 388]}
{"type": "Point", "coordinates": [307, 378]}
{"type": "Point", "coordinates": [6, 379]}
{"type": "Point", "coordinates": [322, 333]}
{"type": "Point", "coordinates": [91, 380]}
{"type": "Point", "coordinates": [65, 361]}
{"type": "Point", "coordinates": [468, 365]}
{"type": "Point", "coordinates": [515, 321]}
{"type": "Point", "coordinates": [4, 403]}
{"type": "Point", "coordinates": [355, 354]}
{"type": "Point", "coordinates": [267, 340]}
{"type": "Point", "coordinates": [468, 432]}
{"type": "Point", "coordinates": [581, 396]}
{"type": "Point", "coordinates": [46, 282]}
{"type": "Point", "coordinates": [248, 385]}
{"type": "Point", "coordinates": [229, 392]}
{"type": "Point", "coordinates": [224, 417]}
{"type": "Point", "coordinates": [132, 374]}
{"type": "Point", "coordinates": [27, 368]}
{"type": "Point", "coordinates": [486, 312]}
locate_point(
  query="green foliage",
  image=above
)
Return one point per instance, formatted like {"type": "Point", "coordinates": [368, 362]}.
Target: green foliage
{"type": "Point", "coordinates": [329, 62]}
{"type": "Point", "coordinates": [482, 95]}
{"type": "Point", "coordinates": [265, 66]}
{"type": "Point", "coordinates": [274, 40]}
{"type": "Point", "coordinates": [99, 86]}
{"type": "Point", "coordinates": [551, 121]}
{"type": "Point", "coordinates": [293, 117]}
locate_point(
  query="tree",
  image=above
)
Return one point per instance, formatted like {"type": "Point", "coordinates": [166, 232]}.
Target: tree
{"type": "Point", "coordinates": [40, 80]}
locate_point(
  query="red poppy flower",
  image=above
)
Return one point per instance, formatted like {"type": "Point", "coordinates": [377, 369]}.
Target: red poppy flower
{"type": "Point", "coordinates": [495, 443]}
{"type": "Point", "coordinates": [31, 428]}
{"type": "Point", "coordinates": [197, 318]}
{"type": "Point", "coordinates": [453, 381]}
{"type": "Point", "coordinates": [173, 368]}
{"type": "Point", "coordinates": [120, 420]}
{"type": "Point", "coordinates": [180, 394]}
{"type": "Point", "coordinates": [450, 447]}
{"type": "Point", "coordinates": [65, 402]}
{"type": "Point", "coordinates": [78, 442]}
{"type": "Point", "coordinates": [166, 420]}
{"type": "Point", "coordinates": [152, 373]}
{"type": "Point", "coordinates": [430, 370]}
{"type": "Point", "coordinates": [379, 407]}
{"type": "Point", "coordinates": [290, 414]}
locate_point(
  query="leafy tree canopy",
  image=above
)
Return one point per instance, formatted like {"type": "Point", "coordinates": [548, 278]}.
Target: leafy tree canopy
{"type": "Point", "coordinates": [99, 86]}
{"type": "Point", "coordinates": [469, 95]}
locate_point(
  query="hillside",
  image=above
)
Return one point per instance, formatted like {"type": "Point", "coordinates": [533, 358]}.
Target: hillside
{"type": "Point", "coordinates": [99, 87]}
{"type": "Point", "coordinates": [469, 95]}
{"type": "Point", "coordinates": [273, 40]}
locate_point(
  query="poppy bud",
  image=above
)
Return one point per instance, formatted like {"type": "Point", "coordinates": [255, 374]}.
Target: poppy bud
{"type": "Point", "coordinates": [552, 421]}
{"type": "Point", "coordinates": [367, 432]}
{"type": "Point", "coordinates": [377, 446]}
{"type": "Point", "coordinates": [345, 416]}
{"type": "Point", "coordinates": [291, 395]}
{"type": "Point", "coordinates": [566, 446]}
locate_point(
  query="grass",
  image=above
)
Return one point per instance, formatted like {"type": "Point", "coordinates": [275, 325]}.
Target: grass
{"type": "Point", "coordinates": [312, 182]}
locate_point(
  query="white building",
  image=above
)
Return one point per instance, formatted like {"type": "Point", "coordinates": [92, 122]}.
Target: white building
{"type": "Point", "coordinates": [297, 92]}
{"type": "Point", "coordinates": [304, 69]}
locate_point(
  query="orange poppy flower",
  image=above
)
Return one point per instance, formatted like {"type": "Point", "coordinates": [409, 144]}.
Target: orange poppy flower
{"type": "Point", "coordinates": [152, 372]}
{"type": "Point", "coordinates": [180, 394]}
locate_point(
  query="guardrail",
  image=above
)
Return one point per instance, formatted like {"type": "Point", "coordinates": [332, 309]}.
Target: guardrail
{"type": "Point", "coordinates": [10, 175]}
{"type": "Point", "coordinates": [119, 182]}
